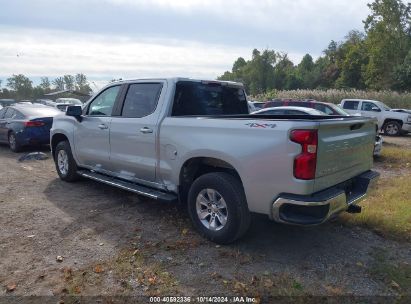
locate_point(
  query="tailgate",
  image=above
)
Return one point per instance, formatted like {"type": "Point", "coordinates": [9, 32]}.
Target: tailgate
{"type": "Point", "coordinates": [345, 150]}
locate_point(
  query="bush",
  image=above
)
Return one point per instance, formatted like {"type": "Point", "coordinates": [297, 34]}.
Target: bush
{"type": "Point", "coordinates": [390, 98]}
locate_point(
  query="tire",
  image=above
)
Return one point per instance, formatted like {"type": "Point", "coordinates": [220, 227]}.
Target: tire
{"type": "Point", "coordinates": [226, 221]}
{"type": "Point", "coordinates": [65, 164]}
{"type": "Point", "coordinates": [13, 143]}
{"type": "Point", "coordinates": [392, 128]}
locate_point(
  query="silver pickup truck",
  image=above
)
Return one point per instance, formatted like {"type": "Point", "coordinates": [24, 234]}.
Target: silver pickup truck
{"type": "Point", "coordinates": [194, 142]}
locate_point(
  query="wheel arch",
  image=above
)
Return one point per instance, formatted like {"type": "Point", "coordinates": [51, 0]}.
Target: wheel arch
{"type": "Point", "coordinates": [387, 120]}
{"type": "Point", "coordinates": [55, 140]}
{"type": "Point", "coordinates": [194, 167]}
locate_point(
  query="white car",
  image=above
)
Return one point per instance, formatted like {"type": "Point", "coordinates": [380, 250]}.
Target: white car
{"type": "Point", "coordinates": [63, 103]}
{"type": "Point", "coordinates": [393, 123]}
{"type": "Point", "coordinates": [289, 111]}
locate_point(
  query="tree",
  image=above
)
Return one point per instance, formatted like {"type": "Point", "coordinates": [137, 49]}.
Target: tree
{"type": "Point", "coordinates": [402, 74]}
{"type": "Point", "coordinates": [59, 83]}
{"type": "Point", "coordinates": [45, 84]}
{"type": "Point", "coordinates": [82, 84]}
{"type": "Point", "coordinates": [68, 82]}
{"type": "Point", "coordinates": [305, 69]}
{"type": "Point", "coordinates": [388, 41]}
{"type": "Point", "coordinates": [21, 85]}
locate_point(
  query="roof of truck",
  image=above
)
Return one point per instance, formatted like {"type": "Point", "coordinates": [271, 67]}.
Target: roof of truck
{"type": "Point", "coordinates": [176, 79]}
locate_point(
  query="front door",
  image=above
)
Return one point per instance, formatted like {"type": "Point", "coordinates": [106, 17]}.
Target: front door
{"type": "Point", "coordinates": [370, 109]}
{"type": "Point", "coordinates": [133, 134]}
{"type": "Point", "coordinates": [92, 133]}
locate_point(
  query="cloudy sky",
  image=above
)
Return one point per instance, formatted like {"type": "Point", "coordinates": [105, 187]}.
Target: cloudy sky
{"type": "Point", "coordinates": [108, 39]}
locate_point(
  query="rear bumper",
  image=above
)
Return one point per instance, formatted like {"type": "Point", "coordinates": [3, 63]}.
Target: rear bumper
{"type": "Point", "coordinates": [25, 139]}
{"type": "Point", "coordinates": [324, 205]}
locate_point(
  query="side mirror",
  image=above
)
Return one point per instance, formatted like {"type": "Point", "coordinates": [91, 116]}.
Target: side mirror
{"type": "Point", "coordinates": [74, 111]}
{"type": "Point", "coordinates": [375, 109]}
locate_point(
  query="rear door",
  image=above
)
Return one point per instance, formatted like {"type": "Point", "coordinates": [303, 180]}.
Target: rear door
{"type": "Point", "coordinates": [92, 134]}
{"type": "Point", "coordinates": [133, 134]}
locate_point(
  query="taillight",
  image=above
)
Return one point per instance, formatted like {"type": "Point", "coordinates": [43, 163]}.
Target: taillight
{"type": "Point", "coordinates": [34, 123]}
{"type": "Point", "coordinates": [305, 163]}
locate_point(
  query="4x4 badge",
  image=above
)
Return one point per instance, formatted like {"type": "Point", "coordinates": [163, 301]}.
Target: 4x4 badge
{"type": "Point", "coordinates": [261, 126]}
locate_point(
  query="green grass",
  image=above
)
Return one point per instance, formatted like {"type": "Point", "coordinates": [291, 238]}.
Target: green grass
{"type": "Point", "coordinates": [391, 98]}
{"type": "Point", "coordinates": [388, 210]}
{"type": "Point", "coordinates": [394, 156]}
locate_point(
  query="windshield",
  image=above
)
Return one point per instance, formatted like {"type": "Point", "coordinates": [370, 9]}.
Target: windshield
{"type": "Point", "coordinates": [384, 106]}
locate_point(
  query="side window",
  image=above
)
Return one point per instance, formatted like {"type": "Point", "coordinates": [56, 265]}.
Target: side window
{"type": "Point", "coordinates": [2, 112]}
{"type": "Point", "coordinates": [103, 104]}
{"type": "Point", "coordinates": [9, 113]}
{"type": "Point", "coordinates": [351, 104]}
{"type": "Point", "coordinates": [368, 106]}
{"type": "Point", "coordinates": [19, 115]}
{"type": "Point", "coordinates": [141, 99]}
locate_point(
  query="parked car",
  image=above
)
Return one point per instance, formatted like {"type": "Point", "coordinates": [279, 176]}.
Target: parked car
{"type": "Point", "coordinates": [312, 107]}
{"type": "Point", "coordinates": [46, 102]}
{"type": "Point", "coordinates": [63, 103]}
{"type": "Point", "coordinates": [26, 125]}
{"type": "Point", "coordinates": [327, 108]}
{"type": "Point", "coordinates": [289, 111]}
{"type": "Point", "coordinates": [392, 123]}
{"type": "Point", "coordinates": [194, 141]}
{"type": "Point", "coordinates": [7, 102]}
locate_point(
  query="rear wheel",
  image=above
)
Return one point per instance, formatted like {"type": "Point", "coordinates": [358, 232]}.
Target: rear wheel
{"type": "Point", "coordinates": [13, 142]}
{"type": "Point", "coordinates": [65, 164]}
{"type": "Point", "coordinates": [218, 208]}
{"type": "Point", "coordinates": [392, 128]}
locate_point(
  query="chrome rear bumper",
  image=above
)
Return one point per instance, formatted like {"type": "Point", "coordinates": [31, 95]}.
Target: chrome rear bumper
{"type": "Point", "coordinates": [320, 207]}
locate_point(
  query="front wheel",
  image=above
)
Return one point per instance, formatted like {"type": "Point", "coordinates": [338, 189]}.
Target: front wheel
{"type": "Point", "coordinates": [218, 208]}
{"type": "Point", "coordinates": [65, 164]}
{"type": "Point", "coordinates": [392, 128]}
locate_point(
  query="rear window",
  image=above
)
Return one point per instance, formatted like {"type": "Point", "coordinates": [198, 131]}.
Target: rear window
{"type": "Point", "coordinates": [197, 98]}
{"type": "Point", "coordinates": [351, 105]}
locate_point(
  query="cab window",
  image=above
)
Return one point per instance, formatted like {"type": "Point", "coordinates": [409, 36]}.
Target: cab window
{"type": "Point", "coordinates": [103, 104]}
{"type": "Point", "coordinates": [351, 104]}
{"type": "Point", "coordinates": [141, 99]}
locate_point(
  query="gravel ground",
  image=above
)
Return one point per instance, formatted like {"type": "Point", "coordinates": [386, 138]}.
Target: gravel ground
{"type": "Point", "coordinates": [88, 224]}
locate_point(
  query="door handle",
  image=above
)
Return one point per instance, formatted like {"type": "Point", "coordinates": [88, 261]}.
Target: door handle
{"type": "Point", "coordinates": [146, 130]}
{"type": "Point", "coordinates": [103, 126]}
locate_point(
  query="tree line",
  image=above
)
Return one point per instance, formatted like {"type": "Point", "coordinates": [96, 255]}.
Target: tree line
{"type": "Point", "coordinates": [21, 87]}
{"type": "Point", "coordinates": [377, 59]}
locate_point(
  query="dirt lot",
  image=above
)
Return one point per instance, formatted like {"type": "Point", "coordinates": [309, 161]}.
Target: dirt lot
{"type": "Point", "coordinates": [113, 243]}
